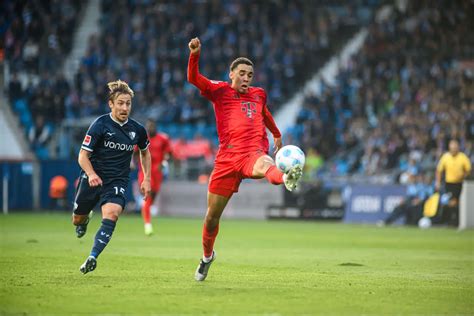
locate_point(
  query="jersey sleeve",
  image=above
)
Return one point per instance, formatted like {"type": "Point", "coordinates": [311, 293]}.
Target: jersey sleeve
{"type": "Point", "coordinates": [268, 119]}
{"type": "Point", "coordinates": [467, 164]}
{"type": "Point", "coordinates": [143, 141]}
{"type": "Point", "coordinates": [93, 136]}
{"type": "Point", "coordinates": [441, 164]}
{"type": "Point", "coordinates": [206, 87]}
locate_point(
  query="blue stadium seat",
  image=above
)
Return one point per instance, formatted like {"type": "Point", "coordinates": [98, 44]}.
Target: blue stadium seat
{"type": "Point", "coordinates": [26, 119]}
{"type": "Point", "coordinates": [173, 130]}
{"type": "Point", "coordinates": [42, 153]}
{"type": "Point", "coordinates": [187, 131]}
{"type": "Point", "coordinates": [20, 106]}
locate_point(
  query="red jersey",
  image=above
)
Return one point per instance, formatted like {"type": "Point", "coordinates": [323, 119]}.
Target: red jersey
{"type": "Point", "coordinates": [241, 118]}
{"type": "Point", "coordinates": [159, 147]}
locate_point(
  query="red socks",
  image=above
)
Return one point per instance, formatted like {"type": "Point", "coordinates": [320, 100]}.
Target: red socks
{"type": "Point", "coordinates": [146, 210]}
{"type": "Point", "coordinates": [274, 175]}
{"type": "Point", "coordinates": [208, 239]}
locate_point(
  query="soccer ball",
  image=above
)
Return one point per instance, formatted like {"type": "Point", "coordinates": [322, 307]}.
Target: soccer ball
{"type": "Point", "coordinates": [289, 156]}
{"type": "Point", "coordinates": [424, 223]}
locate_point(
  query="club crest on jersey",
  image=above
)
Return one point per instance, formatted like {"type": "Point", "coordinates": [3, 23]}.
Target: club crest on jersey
{"type": "Point", "coordinates": [132, 135]}
{"type": "Point", "coordinates": [249, 108]}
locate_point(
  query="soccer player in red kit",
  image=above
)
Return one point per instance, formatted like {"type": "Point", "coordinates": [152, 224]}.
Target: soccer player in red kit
{"type": "Point", "coordinates": [160, 150]}
{"type": "Point", "coordinates": [242, 117]}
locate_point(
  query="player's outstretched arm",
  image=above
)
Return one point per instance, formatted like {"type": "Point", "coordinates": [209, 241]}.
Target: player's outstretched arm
{"type": "Point", "coordinates": [86, 165]}
{"type": "Point", "coordinates": [194, 77]}
{"type": "Point", "coordinates": [145, 160]}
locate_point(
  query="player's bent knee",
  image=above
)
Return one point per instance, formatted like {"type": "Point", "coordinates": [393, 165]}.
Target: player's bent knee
{"type": "Point", "coordinates": [113, 216]}
{"type": "Point", "coordinates": [211, 217]}
{"type": "Point", "coordinates": [211, 223]}
{"type": "Point", "coordinates": [111, 211]}
{"type": "Point", "coordinates": [262, 165]}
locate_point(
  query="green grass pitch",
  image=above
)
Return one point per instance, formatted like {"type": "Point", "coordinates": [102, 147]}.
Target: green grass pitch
{"type": "Point", "coordinates": [263, 267]}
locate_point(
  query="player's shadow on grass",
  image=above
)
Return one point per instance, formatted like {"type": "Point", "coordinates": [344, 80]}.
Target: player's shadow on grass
{"type": "Point", "coordinates": [350, 264]}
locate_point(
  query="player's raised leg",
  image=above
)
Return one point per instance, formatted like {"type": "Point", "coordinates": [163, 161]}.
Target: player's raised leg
{"type": "Point", "coordinates": [110, 214]}
{"type": "Point", "coordinates": [264, 166]}
{"type": "Point", "coordinates": [216, 205]}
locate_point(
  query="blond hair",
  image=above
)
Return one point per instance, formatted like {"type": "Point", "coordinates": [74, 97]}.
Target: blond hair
{"type": "Point", "coordinates": [117, 88]}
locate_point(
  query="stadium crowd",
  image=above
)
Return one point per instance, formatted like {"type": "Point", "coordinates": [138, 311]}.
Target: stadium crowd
{"type": "Point", "coordinates": [36, 38]}
{"type": "Point", "coordinates": [37, 34]}
{"type": "Point", "coordinates": [149, 51]}
{"type": "Point", "coordinates": [408, 83]}
{"type": "Point", "coordinates": [399, 100]}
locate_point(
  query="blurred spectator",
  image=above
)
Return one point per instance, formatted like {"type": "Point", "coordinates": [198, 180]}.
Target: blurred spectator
{"type": "Point", "coordinates": [410, 170]}
{"type": "Point", "coordinates": [57, 192]}
{"type": "Point", "coordinates": [314, 161]}
{"type": "Point", "coordinates": [15, 90]}
{"type": "Point", "coordinates": [39, 133]}
{"type": "Point", "coordinates": [419, 188]}
{"type": "Point", "coordinates": [196, 154]}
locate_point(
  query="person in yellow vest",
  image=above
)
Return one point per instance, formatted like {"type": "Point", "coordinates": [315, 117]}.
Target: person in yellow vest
{"type": "Point", "coordinates": [456, 167]}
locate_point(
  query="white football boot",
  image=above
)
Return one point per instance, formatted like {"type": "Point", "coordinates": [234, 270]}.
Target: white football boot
{"type": "Point", "coordinates": [292, 177]}
{"type": "Point", "coordinates": [203, 268]}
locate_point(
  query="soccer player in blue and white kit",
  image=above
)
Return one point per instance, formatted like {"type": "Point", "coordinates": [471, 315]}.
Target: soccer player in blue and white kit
{"type": "Point", "coordinates": [105, 161]}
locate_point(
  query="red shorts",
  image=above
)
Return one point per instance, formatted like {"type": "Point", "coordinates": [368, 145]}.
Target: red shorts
{"type": "Point", "coordinates": [155, 182]}
{"type": "Point", "coordinates": [230, 169]}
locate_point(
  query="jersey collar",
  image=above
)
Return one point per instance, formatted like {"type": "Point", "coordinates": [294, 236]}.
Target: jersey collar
{"type": "Point", "coordinates": [119, 123]}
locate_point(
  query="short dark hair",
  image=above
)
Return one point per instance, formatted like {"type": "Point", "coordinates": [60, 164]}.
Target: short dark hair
{"type": "Point", "coordinates": [240, 60]}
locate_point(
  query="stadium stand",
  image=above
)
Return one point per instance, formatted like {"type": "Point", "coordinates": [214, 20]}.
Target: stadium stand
{"type": "Point", "coordinates": [37, 34]}
{"type": "Point", "coordinates": [150, 52]}
{"type": "Point", "coordinates": [397, 102]}
{"type": "Point", "coordinates": [36, 39]}
{"type": "Point", "coordinates": [409, 72]}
